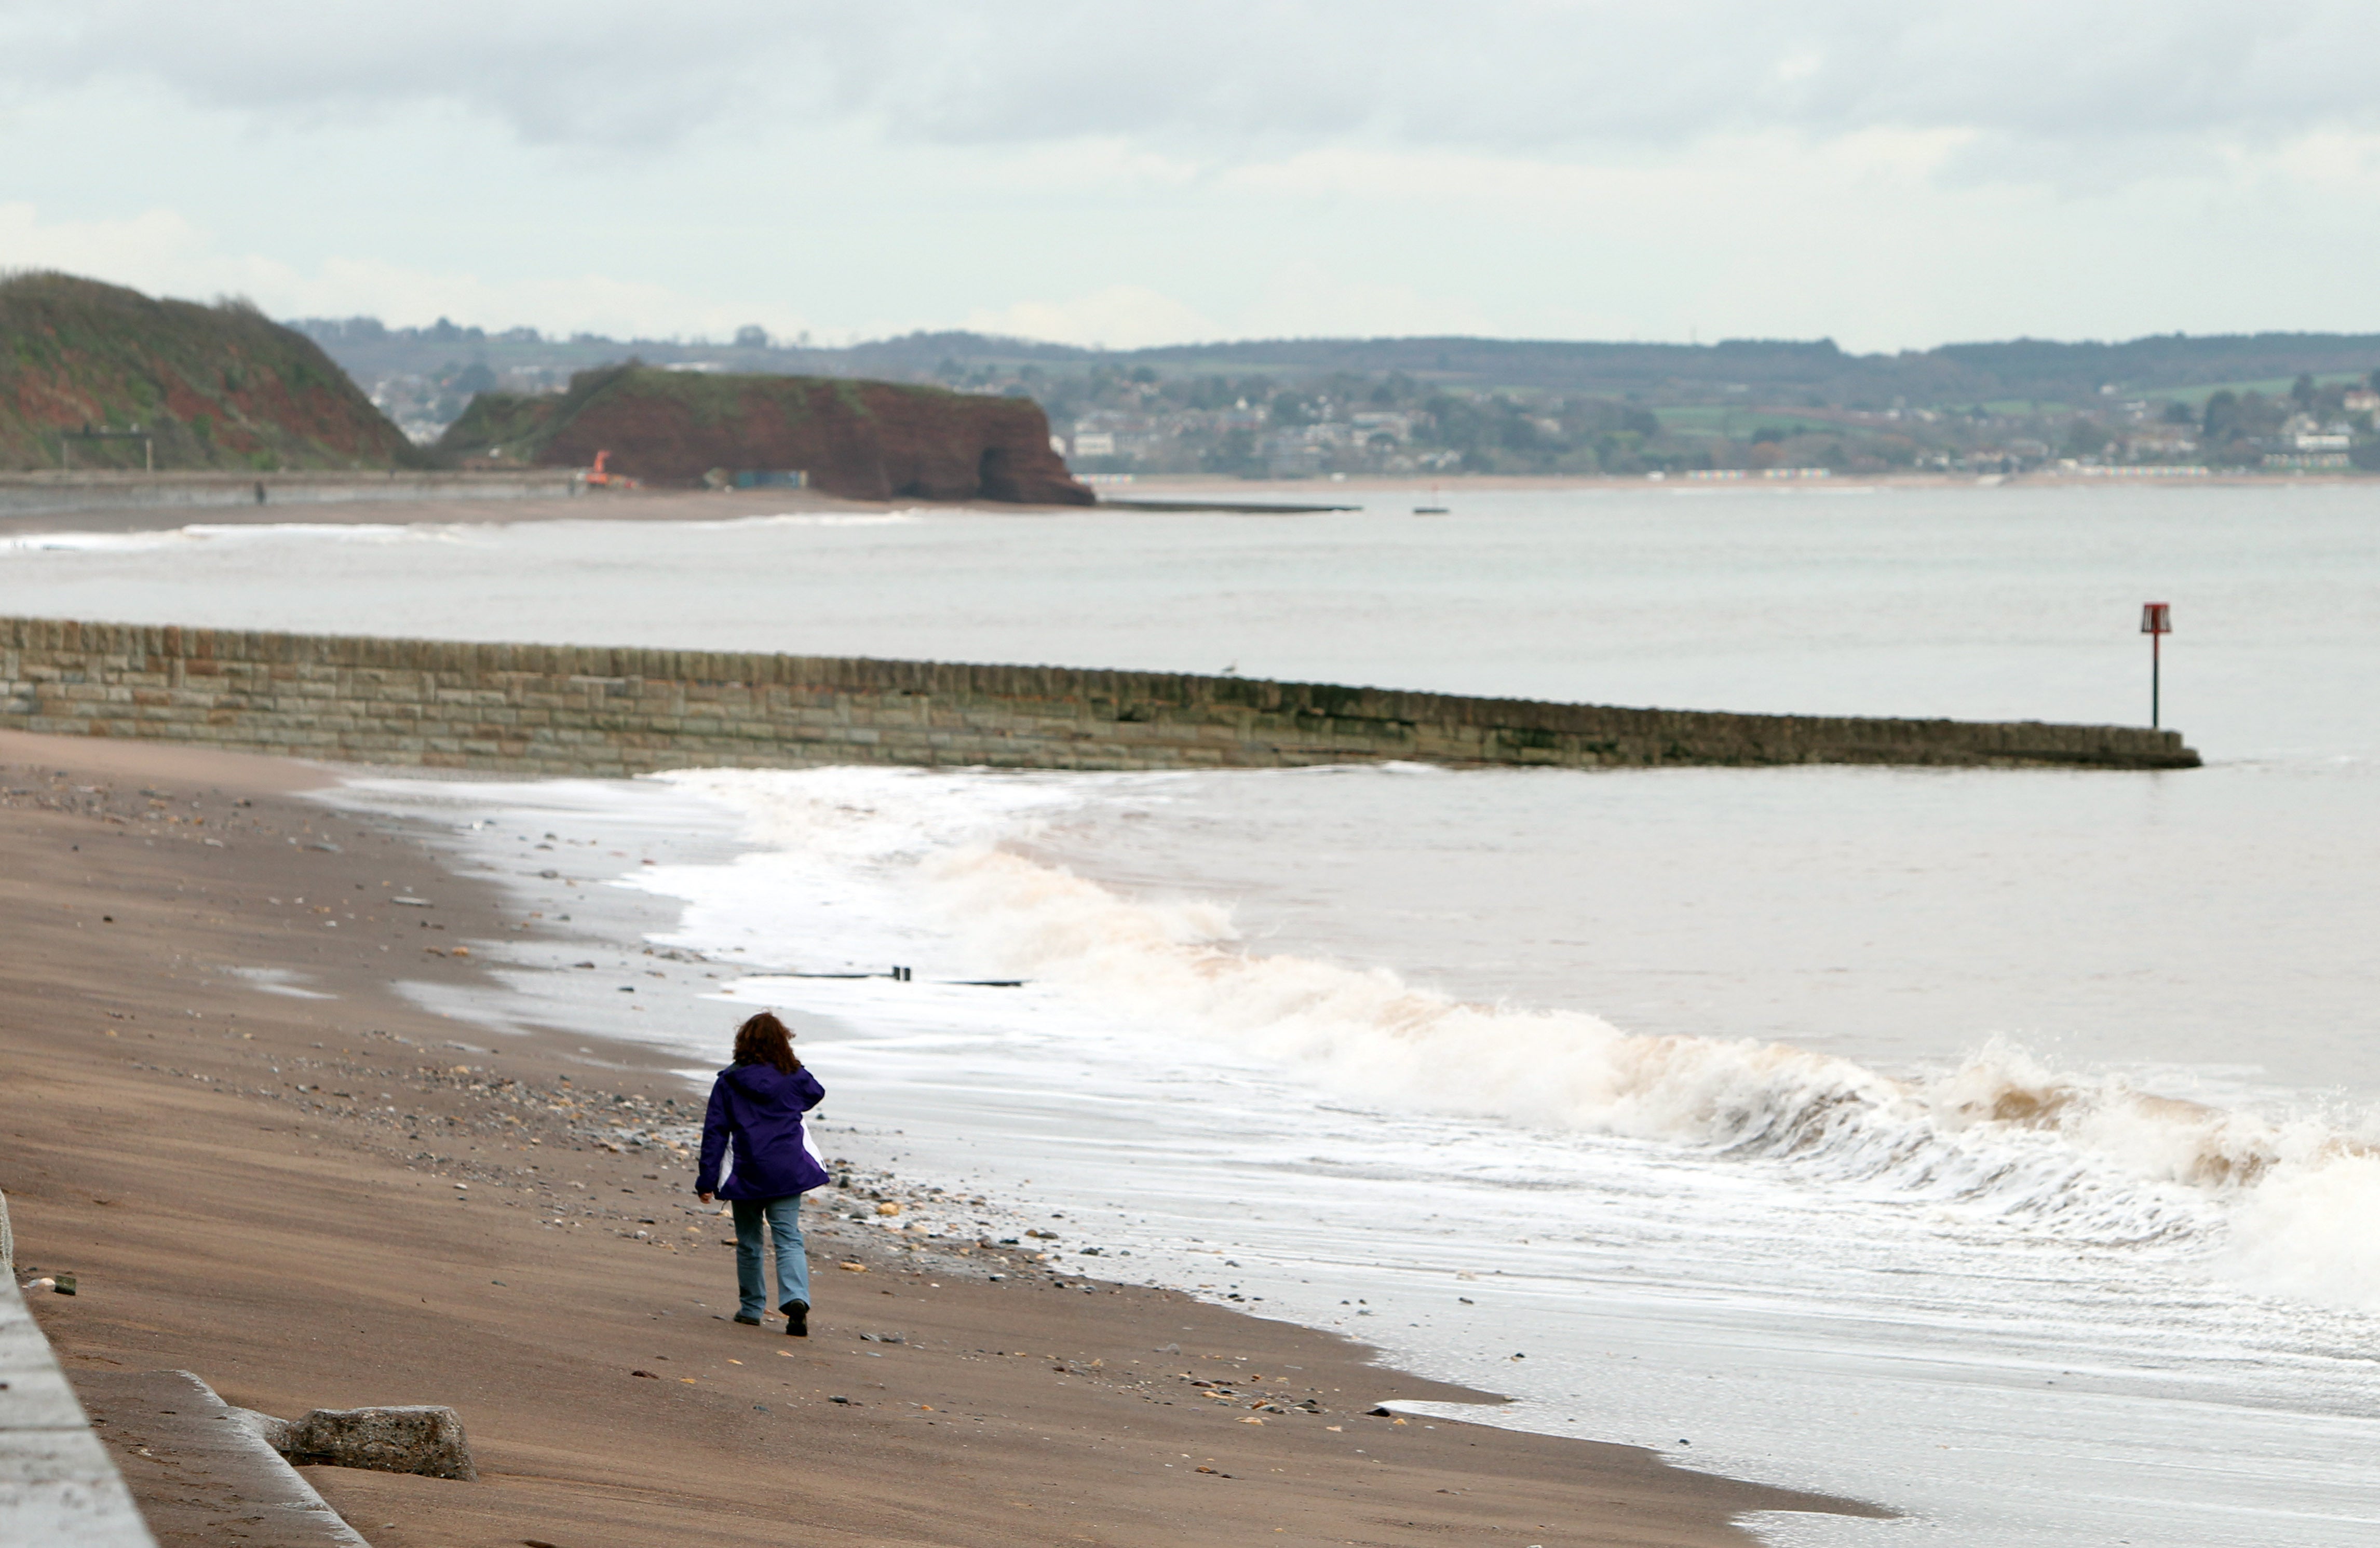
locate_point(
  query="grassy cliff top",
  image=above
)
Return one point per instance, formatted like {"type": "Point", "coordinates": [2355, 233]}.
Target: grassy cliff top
{"type": "Point", "coordinates": [218, 386]}
{"type": "Point", "coordinates": [518, 427]}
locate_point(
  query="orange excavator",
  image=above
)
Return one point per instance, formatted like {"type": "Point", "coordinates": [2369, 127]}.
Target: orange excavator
{"type": "Point", "coordinates": [596, 478]}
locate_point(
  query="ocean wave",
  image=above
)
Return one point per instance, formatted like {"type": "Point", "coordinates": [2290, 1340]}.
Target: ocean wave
{"type": "Point", "coordinates": [2087, 1158]}
{"type": "Point", "coordinates": [2002, 1139]}
{"type": "Point", "coordinates": [811, 518]}
{"type": "Point", "coordinates": [229, 532]}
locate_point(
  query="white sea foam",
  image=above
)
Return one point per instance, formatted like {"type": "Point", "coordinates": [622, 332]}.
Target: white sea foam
{"type": "Point", "coordinates": [2305, 1231]}
{"type": "Point", "coordinates": [221, 534]}
{"type": "Point", "coordinates": [2085, 1159]}
{"type": "Point", "coordinates": [883, 865]}
{"type": "Point", "coordinates": [227, 533]}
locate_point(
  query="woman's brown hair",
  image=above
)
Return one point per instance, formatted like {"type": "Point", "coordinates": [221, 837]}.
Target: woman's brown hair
{"type": "Point", "coordinates": [764, 1040]}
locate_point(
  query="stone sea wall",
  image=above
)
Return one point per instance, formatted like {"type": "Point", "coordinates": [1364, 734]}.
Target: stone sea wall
{"type": "Point", "coordinates": [28, 494]}
{"type": "Point", "coordinates": [611, 711]}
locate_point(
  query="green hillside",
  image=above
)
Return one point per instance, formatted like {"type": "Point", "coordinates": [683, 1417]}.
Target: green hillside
{"type": "Point", "coordinates": [216, 386]}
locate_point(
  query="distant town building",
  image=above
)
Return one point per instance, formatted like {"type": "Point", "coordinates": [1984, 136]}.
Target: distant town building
{"type": "Point", "coordinates": [1293, 455]}
{"type": "Point", "coordinates": [2304, 433]}
{"type": "Point", "coordinates": [2157, 443]}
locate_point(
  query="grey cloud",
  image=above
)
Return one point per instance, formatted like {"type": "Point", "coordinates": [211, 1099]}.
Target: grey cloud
{"type": "Point", "coordinates": [1232, 79]}
{"type": "Point", "coordinates": [598, 75]}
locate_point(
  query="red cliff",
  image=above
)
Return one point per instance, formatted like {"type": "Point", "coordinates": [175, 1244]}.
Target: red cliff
{"type": "Point", "coordinates": [860, 439]}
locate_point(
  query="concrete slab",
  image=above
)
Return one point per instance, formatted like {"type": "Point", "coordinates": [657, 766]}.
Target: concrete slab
{"type": "Point", "coordinates": [58, 1487]}
{"type": "Point", "coordinates": [34, 1395]}
{"type": "Point", "coordinates": [202, 1473]}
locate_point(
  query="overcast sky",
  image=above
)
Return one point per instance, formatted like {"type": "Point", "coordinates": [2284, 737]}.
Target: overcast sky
{"type": "Point", "coordinates": [1891, 172]}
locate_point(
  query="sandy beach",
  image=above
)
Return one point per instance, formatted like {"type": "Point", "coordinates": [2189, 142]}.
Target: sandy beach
{"type": "Point", "coordinates": [323, 1201]}
{"type": "Point", "coordinates": [1386, 495]}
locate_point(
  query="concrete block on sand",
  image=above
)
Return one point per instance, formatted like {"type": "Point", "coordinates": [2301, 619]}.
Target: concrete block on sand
{"type": "Point", "coordinates": [415, 1438]}
{"type": "Point", "coordinates": [200, 1468]}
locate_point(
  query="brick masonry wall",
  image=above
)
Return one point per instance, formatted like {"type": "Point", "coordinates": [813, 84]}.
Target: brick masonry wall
{"type": "Point", "coordinates": [611, 711]}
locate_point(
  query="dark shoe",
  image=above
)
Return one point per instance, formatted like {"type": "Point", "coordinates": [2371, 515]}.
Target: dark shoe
{"type": "Point", "coordinates": [797, 1318]}
{"type": "Point", "coordinates": [747, 1322]}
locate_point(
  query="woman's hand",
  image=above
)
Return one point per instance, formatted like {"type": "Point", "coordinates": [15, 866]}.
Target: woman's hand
{"type": "Point", "coordinates": [704, 1197]}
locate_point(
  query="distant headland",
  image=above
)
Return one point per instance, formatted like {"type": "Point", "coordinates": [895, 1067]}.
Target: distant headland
{"type": "Point", "coordinates": [99, 377]}
{"type": "Point", "coordinates": [102, 379]}
{"type": "Point", "coordinates": [2282, 404]}
{"type": "Point", "coordinates": [859, 439]}
{"type": "Point", "coordinates": [96, 376]}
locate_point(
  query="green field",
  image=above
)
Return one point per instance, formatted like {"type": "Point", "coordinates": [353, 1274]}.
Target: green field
{"type": "Point", "coordinates": [2274, 387]}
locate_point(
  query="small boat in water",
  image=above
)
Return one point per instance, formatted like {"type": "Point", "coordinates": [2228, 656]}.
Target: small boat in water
{"type": "Point", "coordinates": [1429, 510]}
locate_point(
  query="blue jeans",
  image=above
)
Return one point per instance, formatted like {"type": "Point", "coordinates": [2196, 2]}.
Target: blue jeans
{"type": "Point", "coordinates": [792, 1259]}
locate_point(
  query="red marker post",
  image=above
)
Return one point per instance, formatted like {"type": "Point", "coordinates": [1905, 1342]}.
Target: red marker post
{"type": "Point", "coordinates": [2156, 622]}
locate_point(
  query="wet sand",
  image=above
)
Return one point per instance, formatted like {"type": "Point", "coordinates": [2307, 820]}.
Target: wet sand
{"type": "Point", "coordinates": [262, 1189]}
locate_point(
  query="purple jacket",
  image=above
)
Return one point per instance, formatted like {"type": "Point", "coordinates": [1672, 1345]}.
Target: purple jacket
{"type": "Point", "coordinates": [760, 1109]}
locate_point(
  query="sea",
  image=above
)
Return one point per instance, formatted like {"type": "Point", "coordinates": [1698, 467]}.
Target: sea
{"type": "Point", "coordinates": [1998, 1146]}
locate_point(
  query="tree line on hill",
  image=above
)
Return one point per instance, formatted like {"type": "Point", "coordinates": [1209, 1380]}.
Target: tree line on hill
{"type": "Point", "coordinates": [1433, 406]}
{"type": "Point", "coordinates": [104, 376]}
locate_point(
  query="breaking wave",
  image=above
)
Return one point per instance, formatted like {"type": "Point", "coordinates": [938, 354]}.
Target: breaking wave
{"type": "Point", "coordinates": [2284, 1206]}
{"type": "Point", "coordinates": [233, 532]}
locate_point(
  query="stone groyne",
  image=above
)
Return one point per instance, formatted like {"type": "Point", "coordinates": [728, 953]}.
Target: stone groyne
{"type": "Point", "coordinates": [36, 494]}
{"type": "Point", "coordinates": [613, 710]}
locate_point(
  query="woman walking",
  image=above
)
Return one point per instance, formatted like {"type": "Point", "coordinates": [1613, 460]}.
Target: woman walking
{"type": "Point", "coordinates": [758, 1103]}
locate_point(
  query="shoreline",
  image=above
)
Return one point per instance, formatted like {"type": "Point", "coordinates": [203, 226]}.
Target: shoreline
{"type": "Point", "coordinates": [595, 505]}
{"type": "Point", "coordinates": [1742, 480]}
{"type": "Point", "coordinates": [214, 1154]}
{"type": "Point", "coordinates": [706, 505]}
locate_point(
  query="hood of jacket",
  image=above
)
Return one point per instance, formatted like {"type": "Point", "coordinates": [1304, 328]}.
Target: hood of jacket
{"type": "Point", "coordinates": [763, 1083]}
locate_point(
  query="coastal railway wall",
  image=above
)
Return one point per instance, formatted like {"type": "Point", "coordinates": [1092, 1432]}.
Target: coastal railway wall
{"type": "Point", "coordinates": [57, 493]}
{"type": "Point", "coordinates": [619, 710]}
